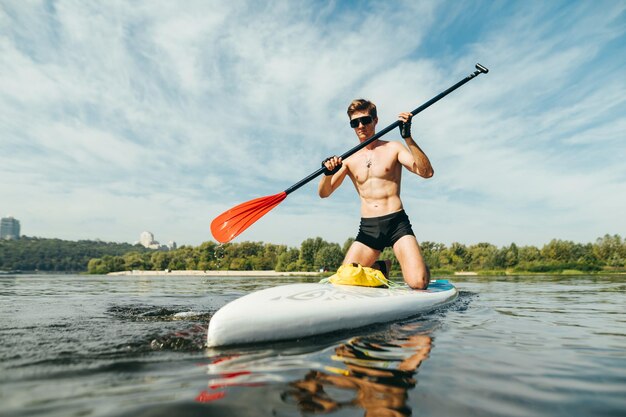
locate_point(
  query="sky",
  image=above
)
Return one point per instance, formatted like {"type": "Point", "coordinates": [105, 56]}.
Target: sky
{"type": "Point", "coordinates": [118, 117]}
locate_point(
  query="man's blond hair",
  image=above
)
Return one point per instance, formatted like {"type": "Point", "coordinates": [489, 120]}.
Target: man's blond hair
{"type": "Point", "coordinates": [360, 104]}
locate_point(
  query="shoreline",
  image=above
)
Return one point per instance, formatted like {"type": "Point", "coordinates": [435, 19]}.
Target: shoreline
{"type": "Point", "coordinates": [214, 273]}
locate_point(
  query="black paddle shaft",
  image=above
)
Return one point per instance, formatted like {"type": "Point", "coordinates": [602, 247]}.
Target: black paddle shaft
{"type": "Point", "coordinates": [479, 70]}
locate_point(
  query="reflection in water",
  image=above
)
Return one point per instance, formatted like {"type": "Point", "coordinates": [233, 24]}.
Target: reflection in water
{"type": "Point", "coordinates": [373, 373]}
{"type": "Point", "coordinates": [375, 376]}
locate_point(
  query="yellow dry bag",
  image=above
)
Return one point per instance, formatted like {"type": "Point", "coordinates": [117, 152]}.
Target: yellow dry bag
{"type": "Point", "coordinates": [355, 274]}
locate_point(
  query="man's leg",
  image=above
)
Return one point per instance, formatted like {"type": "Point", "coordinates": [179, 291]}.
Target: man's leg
{"type": "Point", "coordinates": [414, 269]}
{"type": "Point", "coordinates": [383, 266]}
{"type": "Point", "coordinates": [361, 254]}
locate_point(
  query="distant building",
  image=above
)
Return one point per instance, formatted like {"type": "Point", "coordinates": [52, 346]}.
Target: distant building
{"type": "Point", "coordinates": [146, 239]}
{"type": "Point", "coordinates": [9, 228]}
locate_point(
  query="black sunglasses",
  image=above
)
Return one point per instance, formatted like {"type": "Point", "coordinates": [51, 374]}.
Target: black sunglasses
{"type": "Point", "coordinates": [365, 120]}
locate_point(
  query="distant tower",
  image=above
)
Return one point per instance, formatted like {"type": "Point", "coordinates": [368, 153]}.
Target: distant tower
{"type": "Point", "coordinates": [9, 228]}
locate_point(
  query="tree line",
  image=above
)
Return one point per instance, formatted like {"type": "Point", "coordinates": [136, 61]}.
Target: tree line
{"type": "Point", "coordinates": [607, 253]}
{"type": "Point", "coordinates": [56, 255]}
{"type": "Point", "coordinates": [313, 255]}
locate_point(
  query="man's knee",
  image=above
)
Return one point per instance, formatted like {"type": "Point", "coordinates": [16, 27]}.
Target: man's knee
{"type": "Point", "coordinates": [420, 279]}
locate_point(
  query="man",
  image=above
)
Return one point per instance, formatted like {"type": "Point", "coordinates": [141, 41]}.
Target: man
{"type": "Point", "coordinates": [376, 171]}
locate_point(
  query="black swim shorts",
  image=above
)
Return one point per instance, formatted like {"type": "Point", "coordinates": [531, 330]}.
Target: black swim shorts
{"type": "Point", "coordinates": [383, 231]}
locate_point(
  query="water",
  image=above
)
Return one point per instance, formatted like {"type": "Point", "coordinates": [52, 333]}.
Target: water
{"type": "Point", "coordinates": [134, 346]}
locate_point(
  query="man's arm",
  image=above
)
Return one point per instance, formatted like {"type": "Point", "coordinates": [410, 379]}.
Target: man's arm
{"type": "Point", "coordinates": [330, 183]}
{"type": "Point", "coordinates": [415, 160]}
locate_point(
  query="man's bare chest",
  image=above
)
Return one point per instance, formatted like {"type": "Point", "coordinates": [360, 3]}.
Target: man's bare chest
{"type": "Point", "coordinates": [367, 166]}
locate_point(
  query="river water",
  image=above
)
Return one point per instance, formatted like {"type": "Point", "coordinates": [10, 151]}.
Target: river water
{"type": "Point", "coordinates": [134, 346]}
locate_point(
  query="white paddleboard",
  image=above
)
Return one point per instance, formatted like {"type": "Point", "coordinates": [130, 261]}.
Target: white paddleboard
{"type": "Point", "coordinates": [299, 310]}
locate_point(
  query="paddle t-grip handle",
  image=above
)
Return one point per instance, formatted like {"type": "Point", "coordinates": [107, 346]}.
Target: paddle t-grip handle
{"type": "Point", "coordinates": [480, 69]}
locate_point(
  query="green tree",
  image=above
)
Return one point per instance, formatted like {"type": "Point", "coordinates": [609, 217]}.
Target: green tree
{"type": "Point", "coordinates": [97, 266]}
{"type": "Point", "coordinates": [207, 255]}
{"type": "Point", "coordinates": [329, 257]}
{"type": "Point", "coordinates": [431, 252]}
{"type": "Point", "coordinates": [240, 264]}
{"type": "Point", "coordinates": [271, 254]}
{"type": "Point", "coordinates": [482, 256]}
{"type": "Point", "coordinates": [177, 262]}
{"type": "Point", "coordinates": [558, 251]}
{"type": "Point", "coordinates": [308, 250]}
{"type": "Point", "coordinates": [134, 261]}
{"type": "Point", "coordinates": [456, 257]}
{"type": "Point", "coordinates": [610, 250]}
{"type": "Point", "coordinates": [287, 260]}
{"type": "Point", "coordinates": [160, 260]}
{"type": "Point", "coordinates": [511, 257]}
{"type": "Point", "coordinates": [528, 254]}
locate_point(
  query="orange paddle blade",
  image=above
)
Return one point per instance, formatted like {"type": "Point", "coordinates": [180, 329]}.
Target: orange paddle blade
{"type": "Point", "coordinates": [231, 223]}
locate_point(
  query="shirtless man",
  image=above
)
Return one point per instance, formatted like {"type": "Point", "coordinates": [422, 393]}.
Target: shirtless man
{"type": "Point", "coordinates": [376, 171]}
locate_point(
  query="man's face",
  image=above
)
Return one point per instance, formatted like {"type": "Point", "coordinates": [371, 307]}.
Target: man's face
{"type": "Point", "coordinates": [363, 131]}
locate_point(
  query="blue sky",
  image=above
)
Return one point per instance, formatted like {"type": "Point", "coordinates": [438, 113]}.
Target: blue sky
{"type": "Point", "coordinates": [118, 117]}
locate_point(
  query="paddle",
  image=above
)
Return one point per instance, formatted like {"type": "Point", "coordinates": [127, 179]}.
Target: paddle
{"type": "Point", "coordinates": [231, 223]}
